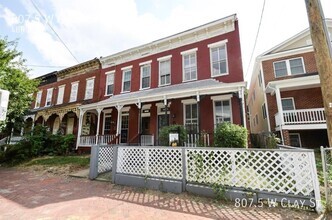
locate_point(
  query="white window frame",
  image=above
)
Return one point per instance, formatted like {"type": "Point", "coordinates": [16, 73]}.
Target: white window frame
{"type": "Point", "coordinates": [288, 67]}
{"type": "Point", "coordinates": [222, 98]}
{"type": "Point", "coordinates": [188, 53]}
{"type": "Point", "coordinates": [264, 116]}
{"type": "Point", "coordinates": [142, 65]}
{"type": "Point", "coordinates": [49, 96]}
{"type": "Point", "coordinates": [125, 70]}
{"type": "Point", "coordinates": [89, 91]}
{"type": "Point", "coordinates": [59, 100]}
{"type": "Point", "coordinates": [292, 98]}
{"type": "Point", "coordinates": [38, 99]}
{"type": "Point", "coordinates": [106, 114]}
{"type": "Point", "coordinates": [163, 59]}
{"type": "Point", "coordinates": [73, 98]}
{"type": "Point", "coordinates": [298, 136]}
{"type": "Point", "coordinates": [189, 102]}
{"type": "Point", "coordinates": [108, 74]}
{"type": "Point", "coordinates": [222, 43]}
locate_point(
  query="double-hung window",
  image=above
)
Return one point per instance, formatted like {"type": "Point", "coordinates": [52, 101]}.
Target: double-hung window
{"type": "Point", "coordinates": [109, 83]}
{"type": "Point", "coordinates": [191, 118]}
{"type": "Point", "coordinates": [165, 70]}
{"type": "Point", "coordinates": [189, 64]}
{"type": "Point", "coordinates": [61, 93]}
{"type": "Point", "coordinates": [73, 92]}
{"type": "Point", "coordinates": [38, 99]}
{"type": "Point", "coordinates": [49, 97]}
{"type": "Point", "coordinates": [288, 67]}
{"type": "Point", "coordinates": [222, 109]}
{"type": "Point", "coordinates": [145, 74]}
{"type": "Point", "coordinates": [126, 79]}
{"type": "Point", "coordinates": [218, 58]}
{"type": "Point", "coordinates": [287, 104]}
{"type": "Point", "coordinates": [90, 82]}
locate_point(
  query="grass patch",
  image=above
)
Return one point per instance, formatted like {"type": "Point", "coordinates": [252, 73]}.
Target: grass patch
{"type": "Point", "coordinates": [80, 161]}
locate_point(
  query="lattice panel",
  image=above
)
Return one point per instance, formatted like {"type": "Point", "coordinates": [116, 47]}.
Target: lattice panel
{"type": "Point", "coordinates": [165, 163]}
{"type": "Point", "coordinates": [105, 158]}
{"type": "Point", "coordinates": [132, 160]}
{"type": "Point", "coordinates": [273, 171]}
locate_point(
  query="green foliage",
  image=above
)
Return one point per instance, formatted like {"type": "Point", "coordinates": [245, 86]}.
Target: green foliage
{"type": "Point", "coordinates": [229, 135]}
{"type": "Point", "coordinates": [41, 143]}
{"type": "Point", "coordinates": [14, 78]}
{"type": "Point", "coordinates": [82, 161]}
{"type": "Point", "coordinates": [165, 131]}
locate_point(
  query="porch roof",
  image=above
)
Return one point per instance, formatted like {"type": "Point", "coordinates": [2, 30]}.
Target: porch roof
{"type": "Point", "coordinates": [194, 88]}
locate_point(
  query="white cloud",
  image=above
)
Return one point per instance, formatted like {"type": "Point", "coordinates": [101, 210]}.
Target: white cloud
{"type": "Point", "coordinates": [9, 16]}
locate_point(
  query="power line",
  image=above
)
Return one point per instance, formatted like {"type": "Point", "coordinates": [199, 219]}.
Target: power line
{"type": "Point", "coordinates": [41, 14]}
{"type": "Point", "coordinates": [253, 49]}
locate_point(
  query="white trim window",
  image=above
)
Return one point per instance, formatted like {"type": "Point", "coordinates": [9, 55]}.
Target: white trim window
{"type": "Point", "coordinates": [49, 95]}
{"type": "Point", "coordinates": [61, 93]}
{"type": "Point", "coordinates": [288, 67]}
{"type": "Point", "coordinates": [73, 92]}
{"type": "Point", "coordinates": [126, 80]}
{"type": "Point", "coordinates": [109, 83]}
{"type": "Point", "coordinates": [287, 104]}
{"type": "Point", "coordinates": [90, 82]}
{"type": "Point", "coordinates": [295, 140]}
{"type": "Point", "coordinates": [189, 65]}
{"type": "Point", "coordinates": [222, 109]}
{"type": "Point", "coordinates": [218, 58]}
{"type": "Point", "coordinates": [164, 71]}
{"type": "Point", "coordinates": [38, 99]}
{"type": "Point", "coordinates": [107, 123]}
{"type": "Point", "coordinates": [145, 76]}
{"type": "Point", "coordinates": [264, 111]}
{"type": "Point", "coordinates": [191, 118]}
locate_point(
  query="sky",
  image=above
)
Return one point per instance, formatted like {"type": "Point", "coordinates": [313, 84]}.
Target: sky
{"type": "Point", "coordinates": [103, 27]}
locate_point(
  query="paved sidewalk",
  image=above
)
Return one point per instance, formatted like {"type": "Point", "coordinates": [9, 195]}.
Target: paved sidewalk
{"type": "Point", "coordinates": [30, 195]}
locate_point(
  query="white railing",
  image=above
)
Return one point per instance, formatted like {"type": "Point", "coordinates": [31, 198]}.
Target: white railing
{"type": "Point", "coordinates": [105, 139]}
{"type": "Point", "coordinates": [15, 139]}
{"type": "Point", "coordinates": [87, 140]}
{"type": "Point", "coordinates": [197, 140]}
{"type": "Point", "coordinates": [147, 140]}
{"type": "Point", "coordinates": [302, 116]}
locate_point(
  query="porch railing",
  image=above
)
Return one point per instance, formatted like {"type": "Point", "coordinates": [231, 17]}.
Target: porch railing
{"type": "Point", "coordinates": [198, 140]}
{"type": "Point", "coordinates": [302, 116]}
{"type": "Point", "coordinates": [87, 140]}
{"type": "Point", "coordinates": [147, 140]}
{"type": "Point", "coordinates": [105, 139]}
{"type": "Point", "coordinates": [91, 140]}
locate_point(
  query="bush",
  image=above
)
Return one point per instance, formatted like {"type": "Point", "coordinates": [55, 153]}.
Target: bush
{"type": "Point", "coordinates": [41, 143]}
{"type": "Point", "coordinates": [165, 131]}
{"type": "Point", "coordinates": [230, 136]}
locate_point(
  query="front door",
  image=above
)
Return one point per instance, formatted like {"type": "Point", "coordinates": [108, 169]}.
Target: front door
{"type": "Point", "coordinates": [145, 125]}
{"type": "Point", "coordinates": [124, 128]}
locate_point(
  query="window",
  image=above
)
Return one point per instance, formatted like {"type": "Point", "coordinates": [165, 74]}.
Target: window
{"type": "Point", "coordinates": [288, 67]}
{"type": "Point", "coordinates": [73, 92]}
{"type": "Point", "coordinates": [264, 111]}
{"type": "Point", "coordinates": [61, 93]}
{"type": "Point", "coordinates": [222, 111]}
{"type": "Point", "coordinates": [109, 83]}
{"type": "Point", "coordinates": [191, 118]}
{"type": "Point", "coordinates": [49, 94]}
{"type": "Point", "coordinates": [126, 80]}
{"type": "Point", "coordinates": [287, 104]}
{"type": "Point", "coordinates": [145, 76]}
{"type": "Point", "coordinates": [189, 64]}
{"type": "Point", "coordinates": [89, 88]}
{"type": "Point", "coordinates": [256, 119]}
{"type": "Point", "coordinates": [164, 71]}
{"type": "Point", "coordinates": [218, 57]}
{"type": "Point", "coordinates": [107, 123]}
{"type": "Point", "coordinates": [38, 99]}
{"type": "Point", "coordinates": [295, 140]}
{"type": "Point", "coordinates": [260, 81]}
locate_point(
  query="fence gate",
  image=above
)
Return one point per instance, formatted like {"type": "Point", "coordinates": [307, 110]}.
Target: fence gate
{"type": "Point", "coordinates": [327, 171]}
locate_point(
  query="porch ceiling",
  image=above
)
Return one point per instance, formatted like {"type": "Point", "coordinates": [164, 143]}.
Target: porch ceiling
{"type": "Point", "coordinates": [201, 87]}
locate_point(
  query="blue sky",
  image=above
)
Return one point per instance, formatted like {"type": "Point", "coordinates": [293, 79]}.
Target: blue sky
{"type": "Point", "coordinates": [102, 27]}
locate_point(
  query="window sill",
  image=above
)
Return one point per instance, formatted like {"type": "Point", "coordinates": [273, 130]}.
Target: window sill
{"type": "Point", "coordinates": [144, 88]}
{"type": "Point", "coordinates": [107, 95]}
{"type": "Point", "coordinates": [164, 85]}
{"type": "Point", "coordinates": [184, 81]}
{"type": "Point", "coordinates": [223, 74]}
{"type": "Point", "coordinates": [123, 92]}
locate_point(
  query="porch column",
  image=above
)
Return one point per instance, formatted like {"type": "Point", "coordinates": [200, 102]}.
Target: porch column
{"type": "Point", "coordinates": [118, 127]}
{"type": "Point", "coordinates": [241, 94]}
{"type": "Point", "coordinates": [281, 114]}
{"type": "Point", "coordinates": [139, 106]}
{"type": "Point", "coordinates": [98, 123]}
{"type": "Point", "coordinates": [198, 99]}
{"type": "Point", "coordinates": [80, 120]}
{"type": "Point", "coordinates": [165, 103]}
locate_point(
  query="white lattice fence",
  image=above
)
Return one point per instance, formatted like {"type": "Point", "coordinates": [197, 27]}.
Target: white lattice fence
{"type": "Point", "coordinates": [281, 171]}
{"type": "Point", "coordinates": [161, 162]}
{"type": "Point", "coordinates": [105, 158]}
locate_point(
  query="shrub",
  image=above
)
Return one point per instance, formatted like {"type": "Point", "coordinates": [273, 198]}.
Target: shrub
{"type": "Point", "coordinates": [165, 131]}
{"type": "Point", "coordinates": [230, 135]}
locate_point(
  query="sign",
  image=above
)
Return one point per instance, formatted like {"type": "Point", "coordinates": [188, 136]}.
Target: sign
{"type": "Point", "coordinates": [173, 137]}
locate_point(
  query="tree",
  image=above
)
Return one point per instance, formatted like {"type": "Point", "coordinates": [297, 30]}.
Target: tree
{"type": "Point", "coordinates": [14, 78]}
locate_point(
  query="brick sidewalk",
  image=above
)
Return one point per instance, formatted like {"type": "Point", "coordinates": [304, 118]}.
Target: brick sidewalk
{"type": "Point", "coordinates": [31, 195]}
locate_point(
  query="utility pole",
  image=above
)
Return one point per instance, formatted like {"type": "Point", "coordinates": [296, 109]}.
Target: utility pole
{"type": "Point", "coordinates": [323, 55]}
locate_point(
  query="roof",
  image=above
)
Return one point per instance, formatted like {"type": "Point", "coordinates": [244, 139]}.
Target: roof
{"type": "Point", "coordinates": [201, 87]}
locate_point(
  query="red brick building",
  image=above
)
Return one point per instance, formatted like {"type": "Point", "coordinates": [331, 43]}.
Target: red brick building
{"type": "Point", "coordinates": [285, 96]}
{"type": "Point", "coordinates": [193, 78]}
